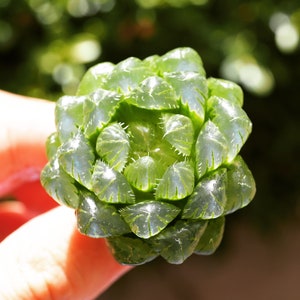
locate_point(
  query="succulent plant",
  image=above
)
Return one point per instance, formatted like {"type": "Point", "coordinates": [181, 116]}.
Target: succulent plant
{"type": "Point", "coordinates": [147, 153]}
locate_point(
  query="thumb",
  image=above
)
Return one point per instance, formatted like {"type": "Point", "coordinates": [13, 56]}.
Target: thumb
{"type": "Point", "coordinates": [25, 125]}
{"type": "Point", "coordinates": [48, 258]}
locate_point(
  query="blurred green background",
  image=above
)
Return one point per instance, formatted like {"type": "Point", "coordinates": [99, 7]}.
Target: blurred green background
{"type": "Point", "coordinates": [46, 46]}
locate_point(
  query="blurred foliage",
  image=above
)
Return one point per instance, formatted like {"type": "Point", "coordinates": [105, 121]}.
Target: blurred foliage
{"type": "Point", "coordinates": [46, 46]}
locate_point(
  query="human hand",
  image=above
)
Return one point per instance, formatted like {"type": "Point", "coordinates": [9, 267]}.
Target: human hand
{"type": "Point", "coordinates": [46, 257]}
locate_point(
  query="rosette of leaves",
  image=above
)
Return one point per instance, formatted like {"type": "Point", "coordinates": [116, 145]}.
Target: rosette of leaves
{"type": "Point", "coordinates": [147, 153]}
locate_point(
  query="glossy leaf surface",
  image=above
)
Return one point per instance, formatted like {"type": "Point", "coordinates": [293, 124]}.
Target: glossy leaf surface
{"type": "Point", "coordinates": [212, 237]}
{"type": "Point", "coordinates": [148, 218]}
{"type": "Point", "coordinates": [208, 199]}
{"type": "Point", "coordinates": [131, 250]}
{"type": "Point", "coordinates": [98, 110]}
{"type": "Point", "coordinates": [126, 75]}
{"type": "Point", "coordinates": [52, 145]}
{"type": "Point", "coordinates": [191, 89]}
{"type": "Point", "coordinates": [211, 149]}
{"type": "Point", "coordinates": [154, 94]}
{"type": "Point", "coordinates": [94, 78]}
{"type": "Point", "coordinates": [111, 186]}
{"type": "Point", "coordinates": [143, 173]}
{"type": "Point", "coordinates": [226, 89]}
{"type": "Point", "coordinates": [240, 187]}
{"type": "Point", "coordinates": [77, 158]}
{"type": "Point", "coordinates": [98, 219]}
{"type": "Point", "coordinates": [232, 121]}
{"type": "Point", "coordinates": [142, 137]}
{"type": "Point", "coordinates": [69, 115]}
{"type": "Point", "coordinates": [179, 132]}
{"type": "Point", "coordinates": [60, 186]}
{"type": "Point", "coordinates": [178, 242]}
{"type": "Point", "coordinates": [181, 60]}
{"type": "Point", "coordinates": [113, 146]}
{"type": "Point", "coordinates": [177, 182]}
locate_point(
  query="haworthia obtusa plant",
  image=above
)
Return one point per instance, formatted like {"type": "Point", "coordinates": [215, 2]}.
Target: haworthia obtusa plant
{"type": "Point", "coordinates": [147, 153]}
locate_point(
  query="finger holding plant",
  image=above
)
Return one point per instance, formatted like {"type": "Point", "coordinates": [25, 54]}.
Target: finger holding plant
{"type": "Point", "coordinates": [147, 153]}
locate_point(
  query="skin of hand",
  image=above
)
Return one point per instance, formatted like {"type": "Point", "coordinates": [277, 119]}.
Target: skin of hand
{"type": "Point", "coordinates": [46, 257]}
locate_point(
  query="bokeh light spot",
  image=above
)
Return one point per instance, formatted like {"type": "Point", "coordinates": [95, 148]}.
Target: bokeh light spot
{"type": "Point", "coordinates": [287, 38]}
{"type": "Point", "coordinates": [246, 71]}
{"type": "Point", "coordinates": [85, 51]}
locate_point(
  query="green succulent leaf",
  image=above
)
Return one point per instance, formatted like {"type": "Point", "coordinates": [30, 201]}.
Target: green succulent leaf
{"type": "Point", "coordinates": [177, 182]}
{"type": "Point", "coordinates": [52, 145]}
{"type": "Point", "coordinates": [98, 110]}
{"type": "Point", "coordinates": [154, 93]}
{"type": "Point", "coordinates": [212, 237]}
{"type": "Point", "coordinates": [191, 89]}
{"type": "Point", "coordinates": [77, 158]}
{"type": "Point", "coordinates": [181, 60]}
{"type": "Point", "coordinates": [111, 186]}
{"type": "Point", "coordinates": [209, 197]}
{"type": "Point", "coordinates": [232, 121]}
{"type": "Point", "coordinates": [148, 218]}
{"type": "Point", "coordinates": [59, 185]}
{"type": "Point", "coordinates": [179, 132]}
{"type": "Point", "coordinates": [127, 75]}
{"type": "Point", "coordinates": [211, 149]}
{"type": "Point", "coordinates": [226, 89]}
{"type": "Point", "coordinates": [98, 219]}
{"type": "Point", "coordinates": [94, 78]}
{"type": "Point", "coordinates": [69, 115]}
{"type": "Point", "coordinates": [152, 62]}
{"type": "Point", "coordinates": [113, 146]}
{"type": "Point", "coordinates": [142, 137]}
{"type": "Point", "coordinates": [144, 173]}
{"type": "Point", "coordinates": [240, 187]}
{"type": "Point", "coordinates": [176, 243]}
{"type": "Point", "coordinates": [131, 250]}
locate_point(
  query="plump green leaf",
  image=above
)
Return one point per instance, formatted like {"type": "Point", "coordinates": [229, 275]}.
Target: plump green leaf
{"type": "Point", "coordinates": [94, 78]}
{"type": "Point", "coordinates": [148, 218]}
{"type": "Point", "coordinates": [146, 139]}
{"type": "Point", "coordinates": [131, 250]}
{"type": "Point", "coordinates": [240, 188]}
{"type": "Point", "coordinates": [154, 93]}
{"type": "Point", "coordinates": [232, 121]}
{"type": "Point", "coordinates": [182, 59]}
{"type": "Point", "coordinates": [211, 149]}
{"type": "Point", "coordinates": [176, 243]}
{"type": "Point", "coordinates": [142, 136]}
{"type": "Point", "coordinates": [209, 197]}
{"type": "Point", "coordinates": [98, 219]}
{"type": "Point", "coordinates": [191, 89]}
{"type": "Point", "coordinates": [59, 185]}
{"type": "Point", "coordinates": [225, 89]}
{"type": "Point", "coordinates": [77, 157]}
{"type": "Point", "coordinates": [179, 132]}
{"type": "Point", "coordinates": [111, 186]}
{"type": "Point", "coordinates": [69, 115]}
{"type": "Point", "coordinates": [98, 110]}
{"type": "Point", "coordinates": [177, 182]}
{"type": "Point", "coordinates": [144, 173]}
{"type": "Point", "coordinates": [52, 145]}
{"type": "Point", "coordinates": [152, 63]}
{"type": "Point", "coordinates": [113, 146]}
{"type": "Point", "coordinates": [127, 75]}
{"type": "Point", "coordinates": [212, 237]}
{"type": "Point", "coordinates": [164, 154]}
